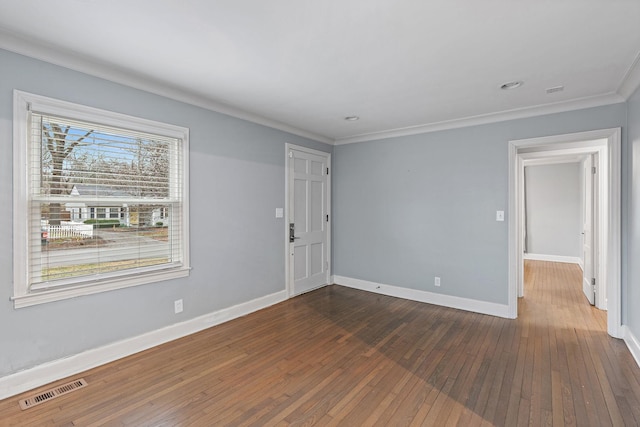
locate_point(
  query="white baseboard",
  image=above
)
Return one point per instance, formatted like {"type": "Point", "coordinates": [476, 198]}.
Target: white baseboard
{"type": "Point", "coordinates": [46, 373]}
{"type": "Point", "coordinates": [554, 258]}
{"type": "Point", "coordinates": [483, 307]}
{"type": "Point", "coordinates": [632, 343]}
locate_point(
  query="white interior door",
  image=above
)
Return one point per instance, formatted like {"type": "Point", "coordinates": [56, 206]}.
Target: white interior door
{"type": "Point", "coordinates": [308, 220]}
{"type": "Point", "coordinates": [588, 273]}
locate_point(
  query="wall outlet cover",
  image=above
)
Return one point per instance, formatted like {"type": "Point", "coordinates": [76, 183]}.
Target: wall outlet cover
{"type": "Point", "coordinates": [177, 306]}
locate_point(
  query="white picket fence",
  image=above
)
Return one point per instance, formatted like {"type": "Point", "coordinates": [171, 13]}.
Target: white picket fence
{"type": "Point", "coordinates": [69, 230]}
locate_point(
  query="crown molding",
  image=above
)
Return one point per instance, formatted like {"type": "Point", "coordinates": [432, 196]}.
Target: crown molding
{"type": "Point", "coordinates": [520, 113]}
{"type": "Point", "coordinates": [631, 80]}
{"type": "Point", "coordinates": [76, 62]}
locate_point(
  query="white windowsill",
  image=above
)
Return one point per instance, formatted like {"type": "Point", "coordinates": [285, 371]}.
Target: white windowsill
{"type": "Point", "coordinates": [42, 297]}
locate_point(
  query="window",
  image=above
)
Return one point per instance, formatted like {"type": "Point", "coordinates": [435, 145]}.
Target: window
{"type": "Point", "coordinates": [88, 184]}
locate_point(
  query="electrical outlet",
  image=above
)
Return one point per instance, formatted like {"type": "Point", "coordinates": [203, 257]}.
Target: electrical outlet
{"type": "Point", "coordinates": [177, 306]}
{"type": "Point", "coordinates": [437, 281]}
{"type": "Point", "coordinates": [499, 215]}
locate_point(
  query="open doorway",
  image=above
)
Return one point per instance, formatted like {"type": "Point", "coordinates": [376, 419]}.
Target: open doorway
{"type": "Point", "coordinates": [562, 211]}
{"type": "Point", "coordinates": [604, 147]}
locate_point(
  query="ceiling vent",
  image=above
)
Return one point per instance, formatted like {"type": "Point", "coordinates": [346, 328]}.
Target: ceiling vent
{"type": "Point", "coordinates": [47, 395]}
{"type": "Point", "coordinates": [512, 85]}
{"type": "Point", "coordinates": [555, 89]}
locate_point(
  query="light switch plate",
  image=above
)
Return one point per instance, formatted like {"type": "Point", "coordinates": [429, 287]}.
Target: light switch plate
{"type": "Point", "coordinates": [499, 215]}
{"type": "Point", "coordinates": [279, 212]}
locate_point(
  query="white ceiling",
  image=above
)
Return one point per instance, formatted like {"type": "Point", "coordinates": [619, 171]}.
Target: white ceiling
{"type": "Point", "coordinates": [403, 66]}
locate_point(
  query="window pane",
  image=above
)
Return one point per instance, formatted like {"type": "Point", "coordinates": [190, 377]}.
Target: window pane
{"type": "Point", "coordinates": [82, 160]}
{"type": "Point", "coordinates": [92, 247]}
{"type": "Point", "coordinates": [81, 167]}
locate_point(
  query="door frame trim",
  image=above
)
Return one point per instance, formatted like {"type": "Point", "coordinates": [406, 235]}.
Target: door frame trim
{"type": "Point", "coordinates": [287, 259]}
{"type": "Point", "coordinates": [611, 225]}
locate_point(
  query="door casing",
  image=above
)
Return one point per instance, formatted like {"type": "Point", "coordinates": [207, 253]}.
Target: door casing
{"type": "Point", "coordinates": [610, 226]}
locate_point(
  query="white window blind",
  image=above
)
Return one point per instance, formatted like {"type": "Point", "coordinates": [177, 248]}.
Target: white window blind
{"type": "Point", "coordinates": [104, 203]}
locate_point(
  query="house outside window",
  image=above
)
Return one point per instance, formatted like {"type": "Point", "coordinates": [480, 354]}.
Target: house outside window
{"type": "Point", "coordinates": [91, 181]}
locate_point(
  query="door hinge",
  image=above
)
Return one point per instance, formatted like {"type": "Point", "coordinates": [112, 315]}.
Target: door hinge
{"type": "Point", "coordinates": [593, 170]}
{"type": "Point", "coordinates": [327, 217]}
{"type": "Point", "coordinates": [327, 171]}
{"type": "Point", "coordinates": [593, 283]}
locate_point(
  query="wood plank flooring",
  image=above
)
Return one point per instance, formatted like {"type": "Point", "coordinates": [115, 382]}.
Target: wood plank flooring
{"type": "Point", "coordinates": [339, 356]}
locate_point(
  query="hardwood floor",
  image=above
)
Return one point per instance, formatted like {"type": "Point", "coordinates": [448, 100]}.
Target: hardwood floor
{"type": "Point", "coordinates": [339, 356]}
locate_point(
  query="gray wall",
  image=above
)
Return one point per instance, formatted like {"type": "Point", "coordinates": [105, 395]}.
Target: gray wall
{"type": "Point", "coordinates": [632, 292]}
{"type": "Point", "coordinates": [237, 244]}
{"type": "Point", "coordinates": [405, 209]}
{"type": "Point", "coordinates": [554, 209]}
{"type": "Point", "coordinates": [410, 208]}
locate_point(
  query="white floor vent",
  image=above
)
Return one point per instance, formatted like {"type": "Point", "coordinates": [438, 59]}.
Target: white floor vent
{"type": "Point", "coordinates": [47, 395]}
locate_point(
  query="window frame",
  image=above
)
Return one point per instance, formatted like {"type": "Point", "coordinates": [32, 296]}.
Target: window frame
{"type": "Point", "coordinates": [23, 102]}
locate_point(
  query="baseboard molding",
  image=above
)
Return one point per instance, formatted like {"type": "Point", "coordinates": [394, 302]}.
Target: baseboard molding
{"type": "Point", "coordinates": [554, 258]}
{"type": "Point", "coordinates": [632, 343]}
{"type": "Point", "coordinates": [483, 307]}
{"type": "Point", "coordinates": [46, 373]}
